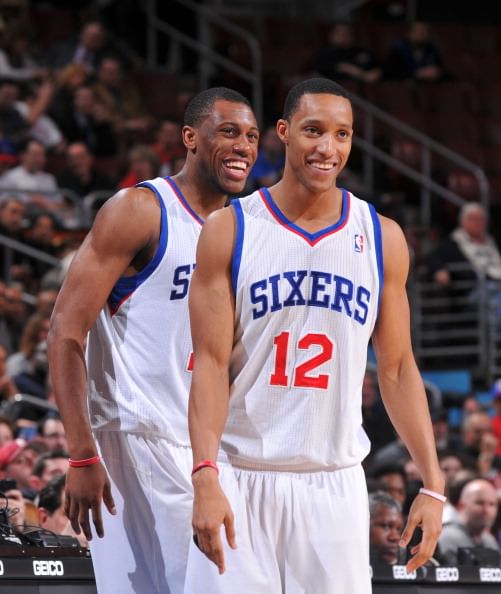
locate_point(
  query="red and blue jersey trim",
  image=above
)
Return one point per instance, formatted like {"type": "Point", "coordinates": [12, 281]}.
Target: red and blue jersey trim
{"type": "Point", "coordinates": [239, 241]}
{"type": "Point", "coordinates": [126, 285]}
{"type": "Point", "coordinates": [378, 238]}
{"type": "Point", "coordinates": [182, 200]}
{"type": "Point", "coordinates": [311, 238]}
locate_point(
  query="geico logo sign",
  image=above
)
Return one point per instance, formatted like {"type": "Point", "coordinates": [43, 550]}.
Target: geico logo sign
{"type": "Point", "coordinates": [400, 573]}
{"type": "Point", "coordinates": [1, 568]}
{"type": "Point", "coordinates": [48, 567]}
{"type": "Point", "coordinates": [490, 574]}
{"type": "Point", "coordinates": [447, 574]}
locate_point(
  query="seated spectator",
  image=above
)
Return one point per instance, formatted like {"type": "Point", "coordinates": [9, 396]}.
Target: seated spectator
{"type": "Point", "coordinates": [16, 311]}
{"type": "Point", "coordinates": [18, 59]}
{"type": "Point", "coordinates": [45, 301]}
{"type": "Point", "coordinates": [8, 155]}
{"type": "Point", "coordinates": [29, 367]}
{"type": "Point", "coordinates": [169, 147]}
{"type": "Point", "coordinates": [51, 514]}
{"type": "Point", "coordinates": [52, 433]}
{"type": "Point", "coordinates": [33, 105]}
{"type": "Point", "coordinates": [341, 59]}
{"type": "Point", "coordinates": [415, 57]}
{"type": "Point", "coordinates": [66, 82]}
{"type": "Point", "coordinates": [89, 121]}
{"type": "Point", "coordinates": [143, 164]}
{"type": "Point", "coordinates": [477, 509]}
{"type": "Point", "coordinates": [270, 161]}
{"type": "Point", "coordinates": [48, 466]}
{"type": "Point", "coordinates": [40, 235]}
{"type": "Point", "coordinates": [8, 387]}
{"type": "Point", "coordinates": [37, 186]}
{"type": "Point", "coordinates": [81, 176]}
{"type": "Point", "coordinates": [12, 218]}
{"type": "Point", "coordinates": [393, 480]}
{"type": "Point", "coordinates": [6, 336]}
{"type": "Point", "coordinates": [386, 525]}
{"type": "Point", "coordinates": [120, 98]}
{"type": "Point", "coordinates": [477, 436]}
{"type": "Point", "coordinates": [13, 127]}
{"type": "Point", "coordinates": [92, 42]}
{"type": "Point", "coordinates": [469, 244]}
{"type": "Point", "coordinates": [16, 462]}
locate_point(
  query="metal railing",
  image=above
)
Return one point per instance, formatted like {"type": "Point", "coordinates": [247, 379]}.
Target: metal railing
{"type": "Point", "coordinates": [202, 46]}
{"type": "Point", "coordinates": [366, 141]}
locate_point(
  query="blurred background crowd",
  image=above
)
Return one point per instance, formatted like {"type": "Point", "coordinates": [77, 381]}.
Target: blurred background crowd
{"type": "Point", "coordinates": [88, 105]}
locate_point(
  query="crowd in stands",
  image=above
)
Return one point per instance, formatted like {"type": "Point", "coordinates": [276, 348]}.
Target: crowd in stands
{"type": "Point", "coordinates": [73, 131]}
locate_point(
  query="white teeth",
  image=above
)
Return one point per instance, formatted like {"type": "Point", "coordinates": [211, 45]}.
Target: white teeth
{"type": "Point", "coordinates": [237, 165]}
{"type": "Point", "coordinates": [324, 166]}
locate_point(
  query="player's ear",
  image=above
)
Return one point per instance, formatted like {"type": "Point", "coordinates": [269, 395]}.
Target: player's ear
{"type": "Point", "coordinates": [189, 138]}
{"type": "Point", "coordinates": [283, 130]}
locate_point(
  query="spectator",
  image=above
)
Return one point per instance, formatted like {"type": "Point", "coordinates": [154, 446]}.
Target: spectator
{"type": "Point", "coordinates": [33, 106]}
{"type": "Point", "coordinates": [13, 127]}
{"type": "Point", "coordinates": [8, 155]}
{"type": "Point", "coordinates": [40, 235]}
{"type": "Point", "coordinates": [386, 525]}
{"type": "Point", "coordinates": [477, 509]}
{"type": "Point", "coordinates": [45, 300]}
{"type": "Point", "coordinates": [12, 216]}
{"type": "Point", "coordinates": [38, 186]}
{"type": "Point", "coordinates": [340, 59]}
{"type": "Point", "coordinates": [86, 50]}
{"type": "Point", "coordinates": [67, 81]}
{"type": "Point", "coordinates": [169, 147]}
{"type": "Point", "coordinates": [81, 176]}
{"type": "Point", "coordinates": [16, 311]}
{"type": "Point", "coordinates": [376, 422]}
{"type": "Point", "coordinates": [89, 121]}
{"type": "Point", "coordinates": [18, 60]}
{"type": "Point", "coordinates": [120, 98]}
{"type": "Point", "coordinates": [8, 387]}
{"type": "Point", "coordinates": [476, 434]}
{"type": "Point", "coordinates": [16, 462]}
{"type": "Point", "coordinates": [393, 480]}
{"type": "Point", "coordinates": [415, 57]}
{"type": "Point", "coordinates": [52, 433]}
{"type": "Point", "coordinates": [6, 338]}
{"type": "Point", "coordinates": [54, 278]}
{"type": "Point", "coordinates": [143, 164]}
{"type": "Point", "coordinates": [270, 161]}
{"type": "Point", "coordinates": [48, 466]}
{"type": "Point", "coordinates": [51, 514]}
{"type": "Point", "coordinates": [28, 367]}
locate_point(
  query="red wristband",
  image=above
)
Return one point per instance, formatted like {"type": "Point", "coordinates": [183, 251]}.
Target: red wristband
{"type": "Point", "coordinates": [204, 464]}
{"type": "Point", "coordinates": [84, 462]}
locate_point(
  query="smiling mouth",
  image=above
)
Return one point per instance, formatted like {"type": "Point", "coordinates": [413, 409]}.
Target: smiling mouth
{"type": "Point", "coordinates": [236, 165]}
{"type": "Point", "coordinates": [322, 166]}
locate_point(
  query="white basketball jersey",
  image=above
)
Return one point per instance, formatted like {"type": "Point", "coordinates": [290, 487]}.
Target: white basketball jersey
{"type": "Point", "coordinates": [140, 347]}
{"type": "Point", "coordinates": [306, 305]}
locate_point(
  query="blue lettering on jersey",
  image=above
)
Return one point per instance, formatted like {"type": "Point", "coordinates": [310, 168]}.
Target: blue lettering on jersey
{"type": "Point", "coordinates": [181, 281]}
{"type": "Point", "coordinates": [323, 290]}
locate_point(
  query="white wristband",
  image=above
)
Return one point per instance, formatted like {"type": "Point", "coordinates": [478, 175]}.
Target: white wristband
{"type": "Point", "coordinates": [433, 494]}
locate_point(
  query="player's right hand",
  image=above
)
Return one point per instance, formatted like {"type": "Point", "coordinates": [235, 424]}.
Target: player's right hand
{"type": "Point", "coordinates": [211, 509]}
{"type": "Point", "coordinates": [85, 488]}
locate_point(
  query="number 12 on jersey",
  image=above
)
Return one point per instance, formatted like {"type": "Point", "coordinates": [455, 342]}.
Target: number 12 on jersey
{"type": "Point", "coordinates": [303, 376]}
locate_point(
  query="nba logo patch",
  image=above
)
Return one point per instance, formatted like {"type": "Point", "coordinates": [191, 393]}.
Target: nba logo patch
{"type": "Point", "coordinates": [359, 243]}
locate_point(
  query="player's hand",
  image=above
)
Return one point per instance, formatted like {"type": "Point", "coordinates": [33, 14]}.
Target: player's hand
{"type": "Point", "coordinates": [211, 509]}
{"type": "Point", "coordinates": [426, 512]}
{"type": "Point", "coordinates": [86, 487]}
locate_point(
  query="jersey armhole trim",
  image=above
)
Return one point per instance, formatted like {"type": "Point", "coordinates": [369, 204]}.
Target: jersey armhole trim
{"type": "Point", "coordinates": [238, 246]}
{"type": "Point", "coordinates": [378, 238]}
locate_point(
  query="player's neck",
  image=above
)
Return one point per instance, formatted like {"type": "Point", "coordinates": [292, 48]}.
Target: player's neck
{"type": "Point", "coordinates": [202, 200]}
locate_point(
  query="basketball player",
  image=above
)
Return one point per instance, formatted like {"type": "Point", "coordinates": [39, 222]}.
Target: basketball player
{"type": "Point", "coordinates": [127, 288]}
{"type": "Point", "coordinates": [290, 285]}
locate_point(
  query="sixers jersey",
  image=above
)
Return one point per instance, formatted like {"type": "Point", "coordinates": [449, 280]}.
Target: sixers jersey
{"type": "Point", "coordinates": [140, 346]}
{"type": "Point", "coordinates": [306, 306]}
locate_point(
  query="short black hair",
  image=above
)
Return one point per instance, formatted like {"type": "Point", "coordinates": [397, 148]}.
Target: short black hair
{"type": "Point", "coordinates": [315, 86]}
{"type": "Point", "coordinates": [201, 104]}
{"type": "Point", "coordinates": [51, 495]}
{"type": "Point", "coordinates": [379, 499]}
{"type": "Point", "coordinates": [39, 465]}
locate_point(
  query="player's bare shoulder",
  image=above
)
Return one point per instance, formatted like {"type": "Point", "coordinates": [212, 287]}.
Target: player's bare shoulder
{"type": "Point", "coordinates": [395, 246]}
{"type": "Point", "coordinates": [131, 216]}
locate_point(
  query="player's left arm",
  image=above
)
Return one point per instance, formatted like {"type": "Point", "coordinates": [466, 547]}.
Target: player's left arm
{"type": "Point", "coordinates": [403, 392]}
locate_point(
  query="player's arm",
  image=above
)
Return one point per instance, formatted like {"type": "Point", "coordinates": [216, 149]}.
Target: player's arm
{"type": "Point", "coordinates": [403, 392]}
{"type": "Point", "coordinates": [122, 227]}
{"type": "Point", "coordinates": [211, 303]}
